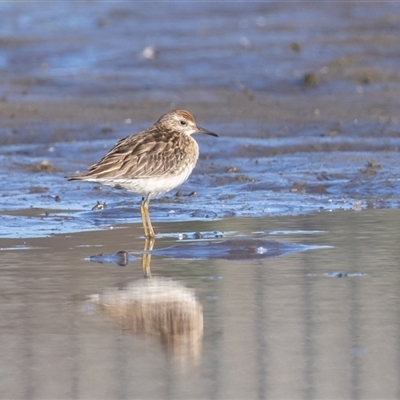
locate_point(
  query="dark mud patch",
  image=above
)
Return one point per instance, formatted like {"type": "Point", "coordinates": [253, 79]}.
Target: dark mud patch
{"type": "Point", "coordinates": [336, 274]}
{"type": "Point", "coordinates": [121, 258]}
{"type": "Point", "coordinates": [240, 249]}
{"type": "Point", "coordinates": [237, 249]}
{"type": "Point", "coordinates": [339, 275]}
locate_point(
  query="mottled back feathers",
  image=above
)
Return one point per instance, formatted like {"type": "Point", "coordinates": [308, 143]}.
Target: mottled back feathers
{"type": "Point", "coordinates": [164, 149]}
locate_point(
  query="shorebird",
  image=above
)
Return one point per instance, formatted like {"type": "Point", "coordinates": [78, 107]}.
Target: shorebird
{"type": "Point", "coordinates": [151, 162]}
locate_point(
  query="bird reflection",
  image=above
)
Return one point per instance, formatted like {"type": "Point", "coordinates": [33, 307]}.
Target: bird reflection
{"type": "Point", "coordinates": [158, 307]}
{"type": "Point", "coordinates": [146, 257]}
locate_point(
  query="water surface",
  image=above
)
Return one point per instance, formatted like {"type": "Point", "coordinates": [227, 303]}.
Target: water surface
{"type": "Point", "coordinates": [320, 323]}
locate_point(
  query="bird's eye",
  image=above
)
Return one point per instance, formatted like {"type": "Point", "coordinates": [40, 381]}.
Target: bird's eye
{"type": "Point", "coordinates": [183, 122]}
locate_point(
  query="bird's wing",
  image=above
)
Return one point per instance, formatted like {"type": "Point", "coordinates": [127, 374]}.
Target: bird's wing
{"type": "Point", "coordinates": [139, 156]}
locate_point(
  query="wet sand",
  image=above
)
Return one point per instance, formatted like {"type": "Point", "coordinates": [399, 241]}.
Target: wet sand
{"type": "Point", "coordinates": [304, 97]}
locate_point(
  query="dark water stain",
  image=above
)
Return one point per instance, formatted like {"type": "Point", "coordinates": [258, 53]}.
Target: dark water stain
{"type": "Point", "coordinates": [239, 249]}
{"type": "Point", "coordinates": [233, 249]}
{"type": "Point", "coordinates": [121, 258]}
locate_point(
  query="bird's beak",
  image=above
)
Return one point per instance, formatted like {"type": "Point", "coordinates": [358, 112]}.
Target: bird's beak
{"type": "Point", "coordinates": [205, 131]}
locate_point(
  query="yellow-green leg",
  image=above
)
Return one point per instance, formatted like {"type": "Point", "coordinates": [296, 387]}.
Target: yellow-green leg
{"type": "Point", "coordinates": [143, 215]}
{"type": "Point", "coordinates": [144, 212]}
{"type": "Point", "coordinates": [146, 257]}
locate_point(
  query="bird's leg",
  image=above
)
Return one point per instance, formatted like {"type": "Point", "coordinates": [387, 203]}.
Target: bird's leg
{"type": "Point", "coordinates": [146, 257]}
{"type": "Point", "coordinates": [149, 236]}
{"type": "Point", "coordinates": [150, 231]}
{"type": "Point", "coordinates": [144, 220]}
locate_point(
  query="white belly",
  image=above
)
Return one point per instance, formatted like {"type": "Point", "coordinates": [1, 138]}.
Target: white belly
{"type": "Point", "coordinates": [152, 185]}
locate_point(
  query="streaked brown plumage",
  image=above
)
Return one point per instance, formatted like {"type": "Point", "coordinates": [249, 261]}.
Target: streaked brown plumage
{"type": "Point", "coordinates": [151, 162]}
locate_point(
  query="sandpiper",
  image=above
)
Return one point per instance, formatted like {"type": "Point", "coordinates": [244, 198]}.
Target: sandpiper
{"type": "Point", "coordinates": [151, 162]}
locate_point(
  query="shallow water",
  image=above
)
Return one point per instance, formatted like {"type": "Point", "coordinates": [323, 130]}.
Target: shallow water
{"type": "Point", "coordinates": [39, 202]}
{"type": "Point", "coordinates": [319, 322]}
